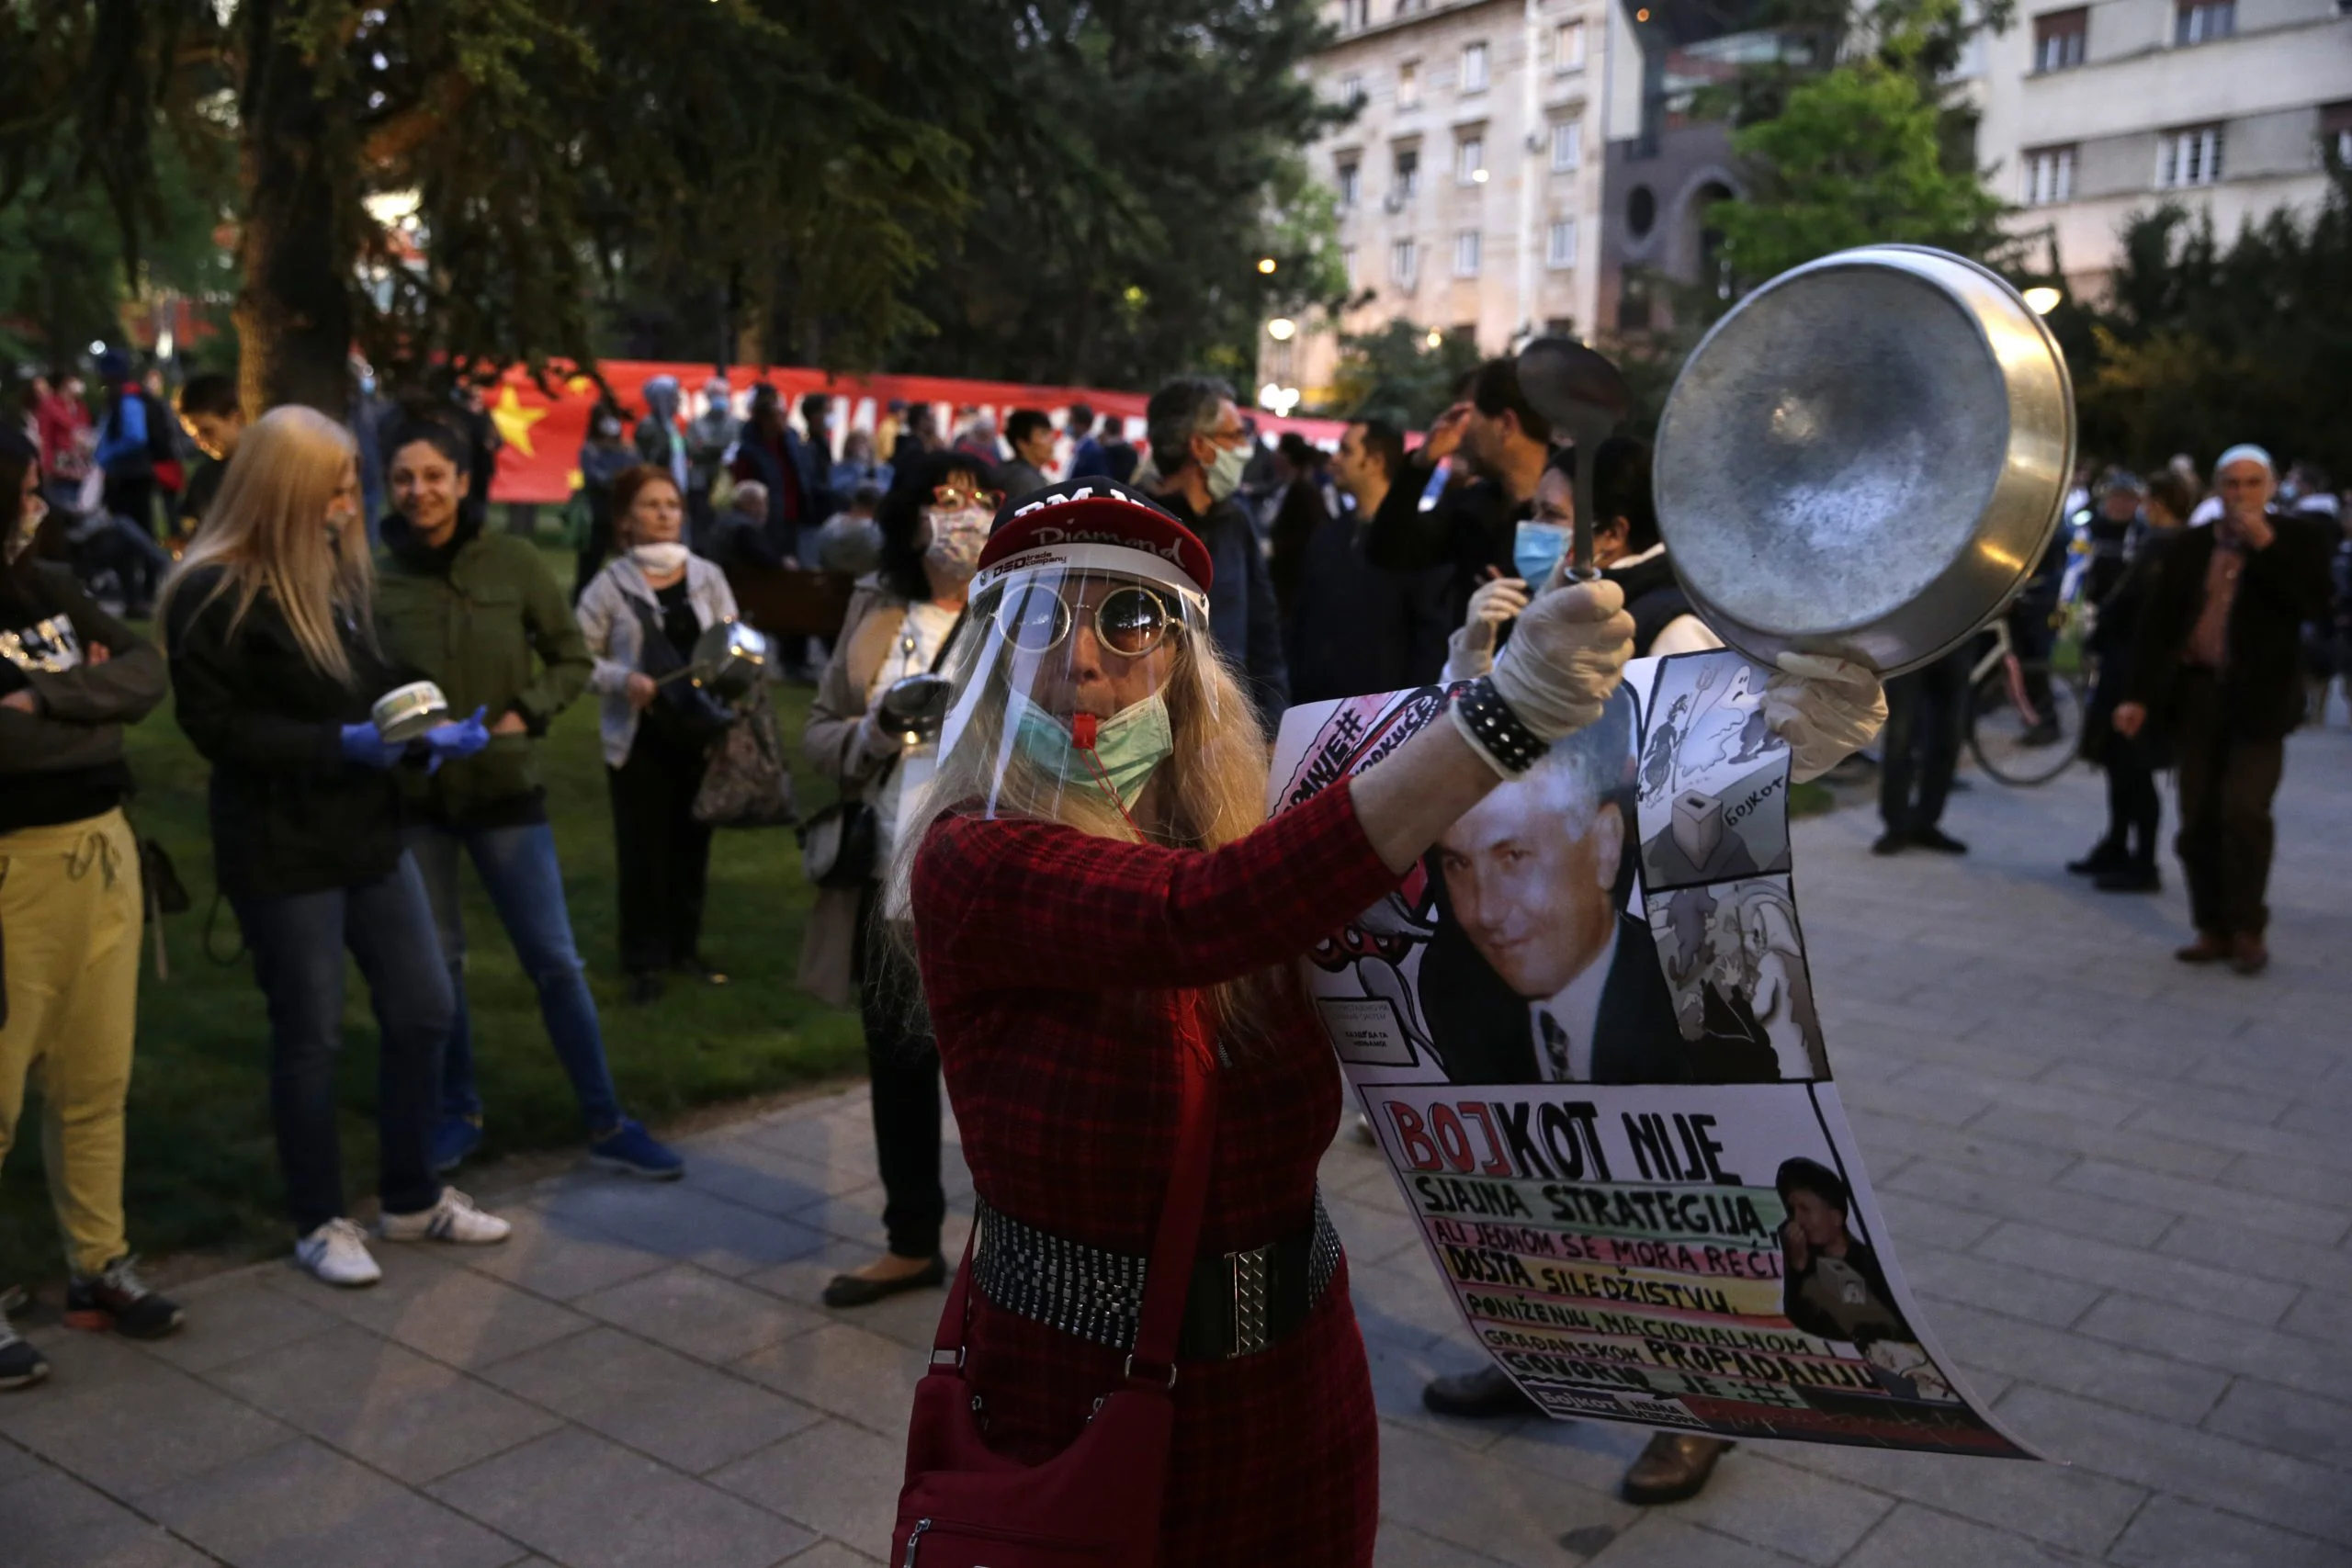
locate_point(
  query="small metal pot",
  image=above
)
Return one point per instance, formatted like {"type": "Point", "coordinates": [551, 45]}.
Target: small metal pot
{"type": "Point", "coordinates": [406, 712]}
{"type": "Point", "coordinates": [1866, 457]}
{"type": "Point", "coordinates": [731, 658]}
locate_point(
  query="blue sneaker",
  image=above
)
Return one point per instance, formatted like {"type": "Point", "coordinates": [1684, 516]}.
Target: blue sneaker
{"type": "Point", "coordinates": [631, 1150]}
{"type": "Point", "coordinates": [453, 1140]}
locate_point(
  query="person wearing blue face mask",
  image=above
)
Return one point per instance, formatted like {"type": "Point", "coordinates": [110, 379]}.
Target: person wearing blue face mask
{"type": "Point", "coordinates": [1199, 449]}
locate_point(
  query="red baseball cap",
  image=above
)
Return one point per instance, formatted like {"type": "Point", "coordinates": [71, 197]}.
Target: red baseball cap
{"type": "Point", "coordinates": [1094, 524]}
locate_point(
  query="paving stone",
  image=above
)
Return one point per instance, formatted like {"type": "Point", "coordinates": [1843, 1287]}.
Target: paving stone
{"type": "Point", "coordinates": [1401, 1546]}
{"type": "Point", "coordinates": [2170, 1533]}
{"type": "Point", "coordinates": [1987, 1089]}
{"type": "Point", "coordinates": [1593, 1455]}
{"type": "Point", "coordinates": [832, 1555]}
{"type": "Point", "coordinates": [653, 1400]}
{"type": "Point", "coordinates": [2020, 1293]}
{"type": "Point", "coordinates": [698, 1312]}
{"type": "Point", "coordinates": [1913, 1103]}
{"type": "Point", "coordinates": [2157, 1385]}
{"type": "Point", "coordinates": [588, 1503]}
{"type": "Point", "coordinates": [1912, 1535]}
{"type": "Point", "coordinates": [747, 1171]}
{"type": "Point", "coordinates": [1661, 1539]}
{"type": "Point", "coordinates": [2136, 1088]}
{"type": "Point", "coordinates": [1800, 1513]}
{"type": "Point", "coordinates": [2299, 1424]}
{"type": "Point", "coordinates": [2064, 1134]}
{"type": "Point", "coordinates": [558, 1258]}
{"type": "Point", "coordinates": [1405, 1302]}
{"type": "Point", "coordinates": [2320, 1313]}
{"type": "Point", "coordinates": [850, 1371]}
{"type": "Point", "coordinates": [2327, 1268]}
{"type": "Point", "coordinates": [50, 1520]}
{"type": "Point", "coordinates": [830, 1141]}
{"type": "Point", "coordinates": [2164, 1121]}
{"type": "Point", "coordinates": [840, 1480]}
{"type": "Point", "coordinates": [1398, 1375]}
{"type": "Point", "coordinates": [2190, 1334]}
{"type": "Point", "coordinates": [1507, 1511]}
{"type": "Point", "coordinates": [15, 1463]}
{"type": "Point", "coordinates": [134, 1436]}
{"type": "Point", "coordinates": [300, 1505]}
{"type": "Point", "coordinates": [408, 1416]}
{"type": "Point", "coordinates": [2230, 1293]}
{"type": "Point", "coordinates": [2037, 1203]}
{"type": "Point", "coordinates": [1970, 1148]}
{"type": "Point", "coordinates": [233, 1318]}
{"type": "Point", "coordinates": [2059, 1504]}
{"type": "Point", "coordinates": [1376, 1236]}
{"type": "Point", "coordinates": [446, 1312]}
{"type": "Point", "coordinates": [677, 1223]}
{"type": "Point", "coordinates": [2265, 1213]}
{"type": "Point", "coordinates": [2195, 1465]}
{"type": "Point", "coordinates": [1914, 1220]}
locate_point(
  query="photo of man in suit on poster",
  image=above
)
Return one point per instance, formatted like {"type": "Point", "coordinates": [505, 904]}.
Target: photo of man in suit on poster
{"type": "Point", "coordinates": [1534, 972]}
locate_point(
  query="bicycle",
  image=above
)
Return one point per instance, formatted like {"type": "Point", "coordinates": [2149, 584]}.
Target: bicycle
{"type": "Point", "coordinates": [2025, 718]}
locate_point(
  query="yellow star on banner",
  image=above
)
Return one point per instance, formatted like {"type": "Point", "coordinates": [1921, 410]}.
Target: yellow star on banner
{"type": "Point", "coordinates": [515, 421]}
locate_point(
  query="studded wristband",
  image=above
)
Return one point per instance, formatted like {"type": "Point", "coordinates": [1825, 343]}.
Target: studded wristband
{"type": "Point", "coordinates": [1486, 721]}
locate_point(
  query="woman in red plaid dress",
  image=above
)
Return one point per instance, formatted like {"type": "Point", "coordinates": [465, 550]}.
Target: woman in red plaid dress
{"type": "Point", "coordinates": [1096, 861]}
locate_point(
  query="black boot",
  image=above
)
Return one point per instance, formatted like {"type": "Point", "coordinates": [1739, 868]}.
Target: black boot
{"type": "Point", "coordinates": [2131, 877]}
{"type": "Point", "coordinates": [2106, 855]}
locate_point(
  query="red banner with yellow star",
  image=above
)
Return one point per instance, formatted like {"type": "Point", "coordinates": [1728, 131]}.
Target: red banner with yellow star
{"type": "Point", "coordinates": [544, 429]}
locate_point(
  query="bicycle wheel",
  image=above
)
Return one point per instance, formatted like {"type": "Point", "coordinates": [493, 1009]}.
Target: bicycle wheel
{"type": "Point", "coordinates": [2024, 729]}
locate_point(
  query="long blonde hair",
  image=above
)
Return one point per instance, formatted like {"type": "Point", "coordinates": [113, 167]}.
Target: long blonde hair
{"type": "Point", "coordinates": [266, 532]}
{"type": "Point", "coordinates": [1210, 791]}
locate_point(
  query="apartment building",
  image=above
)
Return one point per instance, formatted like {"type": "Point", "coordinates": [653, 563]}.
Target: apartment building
{"type": "Point", "coordinates": [2094, 111]}
{"type": "Point", "coordinates": [1469, 179]}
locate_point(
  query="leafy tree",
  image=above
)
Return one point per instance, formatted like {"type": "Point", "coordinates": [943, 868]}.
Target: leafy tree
{"type": "Point", "coordinates": [1397, 372]}
{"type": "Point", "coordinates": [2200, 343]}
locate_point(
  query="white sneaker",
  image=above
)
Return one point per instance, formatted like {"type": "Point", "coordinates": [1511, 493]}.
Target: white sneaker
{"type": "Point", "coordinates": [337, 1253]}
{"type": "Point", "coordinates": [454, 1218]}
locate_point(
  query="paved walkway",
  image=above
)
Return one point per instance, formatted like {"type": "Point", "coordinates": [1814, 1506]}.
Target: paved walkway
{"type": "Point", "coordinates": [2123, 1185]}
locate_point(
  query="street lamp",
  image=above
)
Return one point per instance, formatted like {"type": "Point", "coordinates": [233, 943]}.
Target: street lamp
{"type": "Point", "coordinates": [2041, 300]}
{"type": "Point", "coordinates": [1478, 177]}
{"type": "Point", "coordinates": [1436, 338]}
{"type": "Point", "coordinates": [1282, 329]}
{"type": "Point", "coordinates": [1267, 265]}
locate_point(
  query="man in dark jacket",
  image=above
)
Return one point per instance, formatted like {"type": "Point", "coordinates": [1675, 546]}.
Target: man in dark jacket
{"type": "Point", "coordinates": [1351, 627]}
{"type": "Point", "coordinates": [1199, 447]}
{"type": "Point", "coordinates": [2218, 669]}
{"type": "Point", "coordinates": [479, 616]}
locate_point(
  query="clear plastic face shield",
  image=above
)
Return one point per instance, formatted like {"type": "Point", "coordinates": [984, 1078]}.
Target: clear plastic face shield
{"type": "Point", "coordinates": [1075, 682]}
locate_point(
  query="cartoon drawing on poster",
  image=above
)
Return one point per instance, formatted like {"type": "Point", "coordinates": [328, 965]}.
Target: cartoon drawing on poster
{"type": "Point", "coordinates": [1711, 775]}
{"type": "Point", "coordinates": [1733, 959]}
{"type": "Point", "coordinates": [1606, 1094]}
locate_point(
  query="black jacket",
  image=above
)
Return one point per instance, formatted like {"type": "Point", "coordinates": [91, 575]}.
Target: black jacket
{"type": "Point", "coordinates": [1352, 628]}
{"type": "Point", "coordinates": [66, 763]}
{"type": "Point", "coordinates": [290, 815]}
{"type": "Point", "coordinates": [2282, 585]}
{"type": "Point", "coordinates": [1471, 528]}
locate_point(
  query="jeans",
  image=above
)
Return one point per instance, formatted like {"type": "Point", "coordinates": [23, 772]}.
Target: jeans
{"type": "Point", "coordinates": [663, 852]}
{"type": "Point", "coordinates": [298, 943]}
{"type": "Point", "coordinates": [1926, 714]}
{"type": "Point", "coordinates": [902, 1059]}
{"type": "Point", "coordinates": [517, 867]}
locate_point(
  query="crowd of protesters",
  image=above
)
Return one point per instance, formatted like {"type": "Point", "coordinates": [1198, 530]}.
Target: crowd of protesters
{"type": "Point", "coordinates": [299, 569]}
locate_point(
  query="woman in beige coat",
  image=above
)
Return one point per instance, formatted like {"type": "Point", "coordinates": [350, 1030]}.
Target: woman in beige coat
{"type": "Point", "coordinates": [899, 623]}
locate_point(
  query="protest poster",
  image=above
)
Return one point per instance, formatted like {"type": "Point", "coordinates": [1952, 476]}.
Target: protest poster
{"type": "Point", "coordinates": [1584, 1033]}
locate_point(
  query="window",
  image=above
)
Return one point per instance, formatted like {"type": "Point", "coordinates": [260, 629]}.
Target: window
{"type": "Point", "coordinates": [1347, 261]}
{"type": "Point", "coordinates": [1355, 14]}
{"type": "Point", "coordinates": [1408, 183]}
{"type": "Point", "coordinates": [1404, 263]}
{"type": "Point", "coordinates": [1350, 183]}
{"type": "Point", "coordinates": [1560, 248]}
{"type": "Point", "coordinates": [2190, 157]}
{"type": "Point", "coordinates": [1465, 254]}
{"type": "Point", "coordinates": [1409, 85]}
{"type": "Point", "coordinates": [2202, 21]}
{"type": "Point", "coordinates": [2059, 38]}
{"type": "Point", "coordinates": [1567, 46]}
{"type": "Point", "coordinates": [1473, 67]}
{"type": "Point", "coordinates": [2335, 129]}
{"type": "Point", "coordinates": [1351, 90]}
{"type": "Point", "coordinates": [2048, 176]}
{"type": "Point", "coordinates": [1568, 145]}
{"type": "Point", "coordinates": [1470, 161]}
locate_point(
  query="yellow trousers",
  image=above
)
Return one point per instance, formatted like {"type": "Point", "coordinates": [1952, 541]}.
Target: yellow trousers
{"type": "Point", "coordinates": [70, 924]}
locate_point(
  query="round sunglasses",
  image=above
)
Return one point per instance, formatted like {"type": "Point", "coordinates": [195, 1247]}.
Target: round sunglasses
{"type": "Point", "coordinates": [953, 498]}
{"type": "Point", "coordinates": [1130, 621]}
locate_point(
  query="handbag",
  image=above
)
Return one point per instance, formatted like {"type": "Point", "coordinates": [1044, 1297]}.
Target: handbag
{"type": "Point", "coordinates": [1097, 1504]}
{"type": "Point", "coordinates": [748, 783]}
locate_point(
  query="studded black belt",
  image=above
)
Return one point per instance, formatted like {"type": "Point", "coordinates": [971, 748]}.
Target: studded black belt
{"type": "Point", "coordinates": [1238, 1305]}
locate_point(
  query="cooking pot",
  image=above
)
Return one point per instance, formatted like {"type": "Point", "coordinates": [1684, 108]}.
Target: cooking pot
{"type": "Point", "coordinates": [406, 712]}
{"type": "Point", "coordinates": [729, 660]}
{"type": "Point", "coordinates": [1866, 458]}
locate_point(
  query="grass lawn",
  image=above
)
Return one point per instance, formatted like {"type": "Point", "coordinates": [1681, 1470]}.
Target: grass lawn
{"type": "Point", "coordinates": [203, 1169]}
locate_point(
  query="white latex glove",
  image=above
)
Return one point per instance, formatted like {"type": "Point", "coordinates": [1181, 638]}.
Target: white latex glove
{"type": "Point", "coordinates": [1492, 603]}
{"type": "Point", "coordinates": [877, 740]}
{"type": "Point", "coordinates": [1827, 709]}
{"type": "Point", "coordinates": [1565, 658]}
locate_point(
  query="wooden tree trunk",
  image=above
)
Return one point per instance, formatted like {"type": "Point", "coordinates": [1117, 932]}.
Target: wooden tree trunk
{"type": "Point", "coordinates": [294, 314]}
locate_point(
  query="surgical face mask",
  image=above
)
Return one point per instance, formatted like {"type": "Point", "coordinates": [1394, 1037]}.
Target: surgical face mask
{"type": "Point", "coordinates": [1129, 746]}
{"type": "Point", "coordinates": [956, 539]}
{"type": "Point", "coordinates": [1225, 475]}
{"type": "Point", "coordinates": [1536, 548]}
{"type": "Point", "coordinates": [660, 558]}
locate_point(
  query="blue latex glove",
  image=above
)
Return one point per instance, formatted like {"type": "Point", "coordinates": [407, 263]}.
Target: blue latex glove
{"type": "Point", "coordinates": [363, 744]}
{"type": "Point", "coordinates": [463, 737]}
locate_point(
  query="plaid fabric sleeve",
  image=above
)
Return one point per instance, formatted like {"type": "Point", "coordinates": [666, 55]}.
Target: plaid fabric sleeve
{"type": "Point", "coordinates": [1038, 904]}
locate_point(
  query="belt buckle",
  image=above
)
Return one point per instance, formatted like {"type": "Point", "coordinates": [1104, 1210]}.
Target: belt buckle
{"type": "Point", "coordinates": [1250, 1271]}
